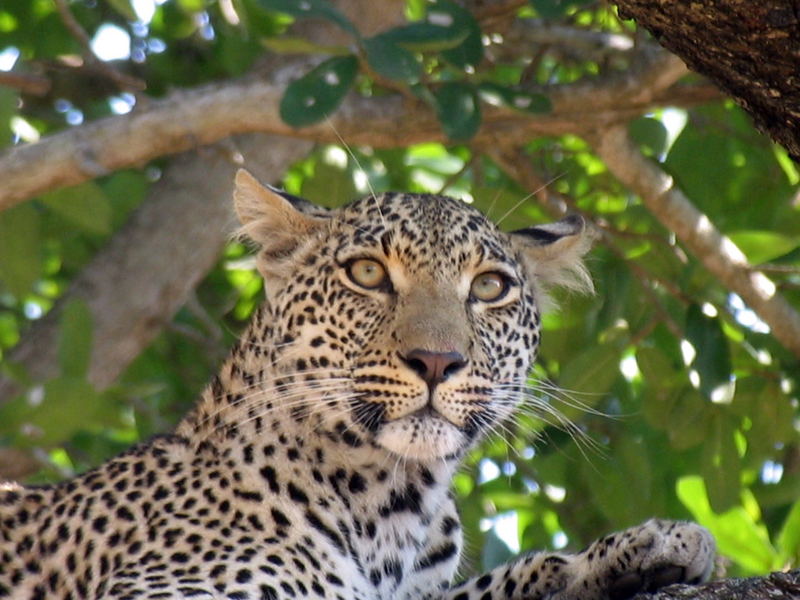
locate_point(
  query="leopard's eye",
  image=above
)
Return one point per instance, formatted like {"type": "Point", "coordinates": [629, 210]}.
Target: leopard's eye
{"type": "Point", "coordinates": [367, 273]}
{"type": "Point", "coordinates": [489, 287]}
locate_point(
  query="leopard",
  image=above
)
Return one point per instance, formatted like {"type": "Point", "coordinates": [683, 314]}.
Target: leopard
{"type": "Point", "coordinates": [395, 333]}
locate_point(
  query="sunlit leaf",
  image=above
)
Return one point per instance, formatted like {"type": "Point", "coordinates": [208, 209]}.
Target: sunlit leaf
{"type": "Point", "coordinates": [319, 92]}
{"type": "Point", "coordinates": [788, 539]}
{"type": "Point", "coordinates": [764, 246]}
{"type": "Point", "coordinates": [736, 533]}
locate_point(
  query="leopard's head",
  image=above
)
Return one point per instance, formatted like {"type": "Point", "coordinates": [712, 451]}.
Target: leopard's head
{"type": "Point", "coordinates": [406, 322]}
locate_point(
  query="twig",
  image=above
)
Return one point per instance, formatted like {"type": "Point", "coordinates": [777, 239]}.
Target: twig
{"type": "Point", "coordinates": [123, 81]}
{"type": "Point", "coordinates": [35, 85]}
{"type": "Point", "coordinates": [718, 253]}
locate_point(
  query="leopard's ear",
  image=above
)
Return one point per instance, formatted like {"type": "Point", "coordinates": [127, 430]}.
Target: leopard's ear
{"type": "Point", "coordinates": [277, 222]}
{"type": "Point", "coordinates": [553, 254]}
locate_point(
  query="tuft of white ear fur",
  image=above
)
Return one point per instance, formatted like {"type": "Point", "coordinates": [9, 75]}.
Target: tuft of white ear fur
{"type": "Point", "coordinates": [263, 212]}
{"type": "Point", "coordinates": [271, 221]}
{"type": "Point", "coordinates": [553, 254]}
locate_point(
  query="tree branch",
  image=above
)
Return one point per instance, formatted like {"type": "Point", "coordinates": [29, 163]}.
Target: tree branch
{"type": "Point", "coordinates": [148, 269]}
{"type": "Point", "coordinates": [718, 253]}
{"type": "Point", "coordinates": [190, 118]}
{"type": "Point", "coordinates": [775, 586]}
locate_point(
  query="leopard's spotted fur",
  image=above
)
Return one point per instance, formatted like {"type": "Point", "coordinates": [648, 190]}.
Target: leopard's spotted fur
{"type": "Point", "coordinates": [317, 464]}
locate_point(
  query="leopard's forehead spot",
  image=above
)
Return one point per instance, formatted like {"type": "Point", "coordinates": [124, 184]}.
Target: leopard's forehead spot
{"type": "Point", "coordinates": [411, 225]}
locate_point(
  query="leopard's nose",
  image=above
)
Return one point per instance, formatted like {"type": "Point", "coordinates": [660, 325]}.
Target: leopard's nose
{"type": "Point", "coordinates": [434, 367]}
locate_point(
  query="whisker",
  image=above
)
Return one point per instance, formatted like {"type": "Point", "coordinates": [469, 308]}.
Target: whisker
{"type": "Point", "coordinates": [526, 198]}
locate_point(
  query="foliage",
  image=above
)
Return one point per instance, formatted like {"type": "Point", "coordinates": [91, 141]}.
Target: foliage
{"type": "Point", "coordinates": [675, 399]}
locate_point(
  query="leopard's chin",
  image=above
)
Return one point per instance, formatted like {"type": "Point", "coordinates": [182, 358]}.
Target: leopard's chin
{"type": "Point", "coordinates": [424, 435]}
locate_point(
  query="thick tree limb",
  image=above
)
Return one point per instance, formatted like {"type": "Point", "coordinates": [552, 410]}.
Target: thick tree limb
{"type": "Point", "coordinates": [749, 49]}
{"type": "Point", "coordinates": [718, 253]}
{"type": "Point", "coordinates": [190, 118]}
{"type": "Point", "coordinates": [148, 269]}
{"type": "Point", "coordinates": [775, 586]}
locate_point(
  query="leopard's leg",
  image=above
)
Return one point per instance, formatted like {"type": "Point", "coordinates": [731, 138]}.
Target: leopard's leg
{"type": "Point", "coordinates": [618, 566]}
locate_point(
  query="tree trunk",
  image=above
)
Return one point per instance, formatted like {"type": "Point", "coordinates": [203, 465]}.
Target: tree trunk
{"type": "Point", "coordinates": [775, 586]}
{"type": "Point", "coordinates": [750, 48]}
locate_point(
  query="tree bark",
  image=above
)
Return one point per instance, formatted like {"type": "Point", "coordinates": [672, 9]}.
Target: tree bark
{"type": "Point", "coordinates": [775, 586]}
{"type": "Point", "coordinates": [190, 118]}
{"type": "Point", "coordinates": [751, 49]}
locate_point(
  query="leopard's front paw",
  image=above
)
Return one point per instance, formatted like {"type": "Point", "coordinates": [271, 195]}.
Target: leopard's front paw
{"type": "Point", "coordinates": [650, 556]}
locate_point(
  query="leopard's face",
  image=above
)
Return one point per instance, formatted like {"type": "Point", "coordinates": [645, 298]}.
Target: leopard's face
{"type": "Point", "coordinates": [406, 322]}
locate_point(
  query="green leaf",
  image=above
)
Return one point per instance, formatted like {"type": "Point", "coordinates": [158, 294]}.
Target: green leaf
{"type": "Point", "coordinates": [494, 93]}
{"type": "Point", "coordinates": [125, 8]}
{"type": "Point", "coordinates": [788, 539]}
{"type": "Point", "coordinates": [764, 246]}
{"type": "Point", "coordinates": [8, 108]}
{"type": "Point", "coordinates": [655, 365]}
{"type": "Point", "coordinates": [737, 534]}
{"type": "Point", "coordinates": [426, 37]}
{"type": "Point", "coordinates": [713, 359]}
{"type": "Point", "coordinates": [649, 133]}
{"type": "Point", "coordinates": [288, 44]}
{"type": "Point", "coordinates": [451, 15]}
{"type": "Point", "coordinates": [721, 466]}
{"type": "Point", "coordinates": [64, 406]}
{"type": "Point", "coordinates": [329, 185]}
{"type": "Point", "coordinates": [20, 249]}
{"type": "Point", "coordinates": [84, 205]}
{"type": "Point", "coordinates": [319, 9]}
{"type": "Point", "coordinates": [319, 92]}
{"type": "Point", "coordinates": [554, 9]}
{"type": "Point", "coordinates": [724, 167]}
{"type": "Point", "coordinates": [458, 110]}
{"type": "Point", "coordinates": [390, 60]}
{"type": "Point", "coordinates": [689, 420]}
{"type": "Point", "coordinates": [495, 551]}
{"type": "Point", "coordinates": [592, 371]}
{"type": "Point", "coordinates": [770, 412]}
{"type": "Point", "coordinates": [75, 340]}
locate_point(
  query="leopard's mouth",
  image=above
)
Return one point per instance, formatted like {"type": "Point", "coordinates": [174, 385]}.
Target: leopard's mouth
{"type": "Point", "coordinates": [422, 435]}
